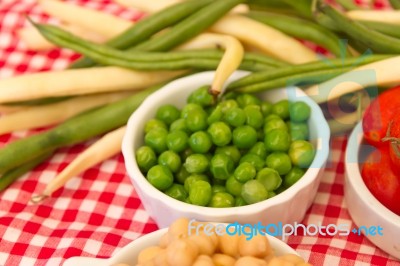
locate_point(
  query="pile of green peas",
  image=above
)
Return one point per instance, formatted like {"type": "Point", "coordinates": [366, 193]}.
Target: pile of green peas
{"type": "Point", "coordinates": [238, 151]}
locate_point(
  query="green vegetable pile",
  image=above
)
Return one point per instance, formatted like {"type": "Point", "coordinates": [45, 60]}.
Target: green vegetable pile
{"type": "Point", "coordinates": [236, 152]}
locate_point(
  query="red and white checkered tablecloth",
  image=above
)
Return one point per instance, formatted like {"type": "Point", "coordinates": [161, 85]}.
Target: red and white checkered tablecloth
{"type": "Point", "coordinates": [98, 212]}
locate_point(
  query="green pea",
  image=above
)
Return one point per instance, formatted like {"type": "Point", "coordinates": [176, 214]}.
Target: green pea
{"type": "Point", "coordinates": [244, 172]}
{"type": "Point", "coordinates": [218, 188]}
{"type": "Point", "coordinates": [244, 137]}
{"type": "Point", "coordinates": [145, 158]}
{"type": "Point", "coordinates": [179, 124]}
{"type": "Point", "coordinates": [233, 186]}
{"type": "Point", "coordinates": [186, 153]}
{"type": "Point", "coordinates": [221, 166]}
{"type": "Point", "coordinates": [215, 116]}
{"type": "Point", "coordinates": [201, 96]}
{"type": "Point", "coordinates": [157, 139]}
{"type": "Point", "coordinates": [299, 111]}
{"type": "Point", "coordinates": [190, 107]}
{"type": "Point", "coordinates": [197, 163]}
{"type": "Point", "coordinates": [228, 104]}
{"type": "Point", "coordinates": [177, 141]}
{"type": "Point", "coordinates": [253, 191]}
{"type": "Point", "coordinates": [193, 178]}
{"type": "Point", "coordinates": [196, 120]}
{"type": "Point", "coordinates": [254, 117]}
{"type": "Point", "coordinates": [281, 108]}
{"type": "Point", "coordinates": [200, 142]}
{"type": "Point", "coordinates": [293, 176]}
{"type": "Point", "coordinates": [168, 113]}
{"type": "Point", "coordinates": [274, 123]}
{"type": "Point", "coordinates": [271, 194]}
{"type": "Point", "coordinates": [279, 161]}
{"type": "Point", "coordinates": [235, 117]}
{"type": "Point", "coordinates": [298, 131]}
{"type": "Point", "coordinates": [266, 108]}
{"type": "Point", "coordinates": [270, 117]}
{"type": "Point", "coordinates": [277, 140]}
{"type": "Point", "coordinates": [230, 95]}
{"type": "Point", "coordinates": [200, 193]}
{"type": "Point", "coordinates": [259, 149]}
{"type": "Point", "coordinates": [160, 177]}
{"type": "Point", "coordinates": [232, 151]}
{"type": "Point", "coordinates": [239, 201]}
{"type": "Point", "coordinates": [253, 159]}
{"type": "Point", "coordinates": [220, 133]}
{"type": "Point", "coordinates": [177, 191]}
{"type": "Point", "coordinates": [182, 175]}
{"type": "Point", "coordinates": [222, 200]}
{"type": "Point", "coordinates": [270, 178]}
{"type": "Point", "coordinates": [246, 99]}
{"type": "Point", "coordinates": [154, 123]}
{"type": "Point", "coordinates": [171, 160]}
{"type": "Point", "coordinates": [301, 153]}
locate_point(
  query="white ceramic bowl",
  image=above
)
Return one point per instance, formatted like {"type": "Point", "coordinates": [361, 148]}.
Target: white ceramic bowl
{"type": "Point", "coordinates": [129, 254]}
{"type": "Point", "coordinates": [364, 208]}
{"type": "Point", "coordinates": [287, 207]}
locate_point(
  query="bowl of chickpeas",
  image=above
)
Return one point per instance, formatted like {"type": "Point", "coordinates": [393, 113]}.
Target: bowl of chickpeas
{"type": "Point", "coordinates": [244, 157]}
{"type": "Point", "coordinates": [203, 244]}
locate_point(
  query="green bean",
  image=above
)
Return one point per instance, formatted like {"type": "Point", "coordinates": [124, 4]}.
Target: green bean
{"type": "Point", "coordinates": [11, 175]}
{"type": "Point", "coordinates": [385, 28]}
{"type": "Point", "coordinates": [348, 4]}
{"type": "Point", "coordinates": [270, 4]}
{"type": "Point", "coordinates": [301, 6]}
{"type": "Point", "coordinates": [376, 41]}
{"type": "Point", "coordinates": [75, 130]}
{"type": "Point", "coordinates": [189, 27]}
{"type": "Point", "coordinates": [304, 68]}
{"type": "Point", "coordinates": [267, 60]}
{"type": "Point", "coordinates": [308, 78]}
{"type": "Point", "coordinates": [302, 29]}
{"type": "Point", "coordinates": [395, 4]}
{"type": "Point", "coordinates": [202, 59]}
{"type": "Point", "coordinates": [148, 26]}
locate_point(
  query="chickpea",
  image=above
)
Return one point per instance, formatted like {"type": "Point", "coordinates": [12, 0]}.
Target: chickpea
{"type": "Point", "coordinates": [159, 260]}
{"type": "Point", "coordinates": [280, 262]}
{"type": "Point", "coordinates": [164, 241]}
{"type": "Point", "coordinates": [148, 254]}
{"type": "Point", "coordinates": [203, 260]}
{"type": "Point", "coordinates": [229, 245]}
{"type": "Point", "coordinates": [204, 243]}
{"type": "Point", "coordinates": [182, 252]}
{"type": "Point", "coordinates": [179, 229]}
{"type": "Point", "coordinates": [293, 258]}
{"type": "Point", "coordinates": [304, 264]}
{"type": "Point", "coordinates": [223, 260]}
{"type": "Point", "coordinates": [247, 261]}
{"type": "Point", "coordinates": [258, 246]}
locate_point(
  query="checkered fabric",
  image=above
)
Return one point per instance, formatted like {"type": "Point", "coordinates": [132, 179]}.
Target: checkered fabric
{"type": "Point", "coordinates": [98, 212]}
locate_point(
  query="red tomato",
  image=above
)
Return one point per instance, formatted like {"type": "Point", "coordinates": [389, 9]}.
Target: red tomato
{"type": "Point", "coordinates": [393, 138]}
{"type": "Point", "coordinates": [381, 180]}
{"type": "Point", "coordinates": [395, 157]}
{"type": "Point", "coordinates": [379, 114]}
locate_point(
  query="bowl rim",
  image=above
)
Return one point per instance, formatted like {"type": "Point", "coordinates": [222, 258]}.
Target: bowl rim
{"type": "Point", "coordinates": [353, 176]}
{"type": "Point", "coordinates": [137, 177]}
